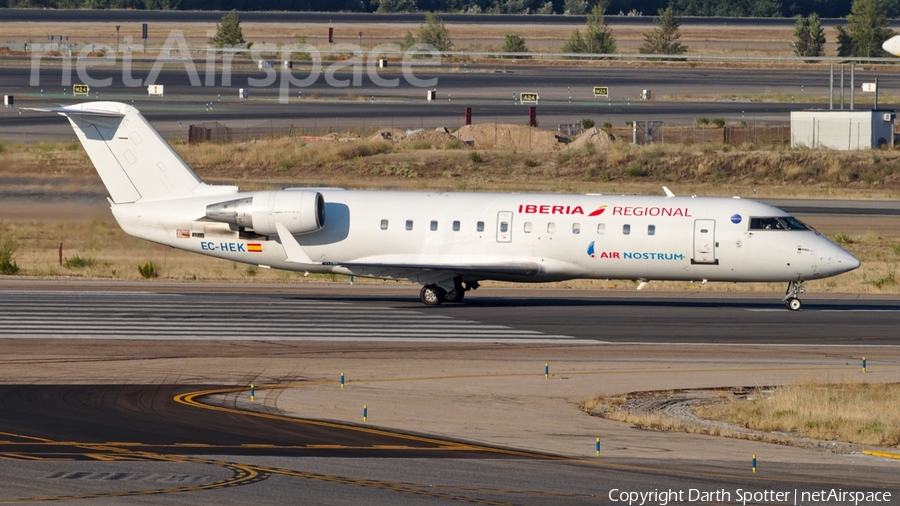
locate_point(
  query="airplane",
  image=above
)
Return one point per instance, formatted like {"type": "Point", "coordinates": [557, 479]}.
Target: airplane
{"type": "Point", "coordinates": [446, 242]}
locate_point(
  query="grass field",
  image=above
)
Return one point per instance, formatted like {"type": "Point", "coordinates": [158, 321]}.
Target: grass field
{"type": "Point", "coordinates": [850, 412]}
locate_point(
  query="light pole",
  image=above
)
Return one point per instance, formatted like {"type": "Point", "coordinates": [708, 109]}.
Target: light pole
{"type": "Point", "coordinates": [117, 37]}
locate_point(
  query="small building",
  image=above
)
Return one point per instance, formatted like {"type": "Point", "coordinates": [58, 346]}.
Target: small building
{"type": "Point", "coordinates": [842, 129]}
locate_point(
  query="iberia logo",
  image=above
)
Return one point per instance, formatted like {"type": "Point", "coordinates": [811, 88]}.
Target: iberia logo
{"type": "Point", "coordinates": [599, 211]}
{"type": "Point", "coordinates": [590, 250]}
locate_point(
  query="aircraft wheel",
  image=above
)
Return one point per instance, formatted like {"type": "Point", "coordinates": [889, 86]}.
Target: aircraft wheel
{"type": "Point", "coordinates": [455, 295]}
{"type": "Point", "coordinates": [432, 295]}
{"type": "Point", "coordinates": [793, 304]}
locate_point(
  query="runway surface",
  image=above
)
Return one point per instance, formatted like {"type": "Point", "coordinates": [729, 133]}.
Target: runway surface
{"type": "Point", "coordinates": [159, 444]}
{"type": "Point", "coordinates": [566, 97]}
{"type": "Point", "coordinates": [208, 443]}
{"type": "Point", "coordinates": [374, 314]}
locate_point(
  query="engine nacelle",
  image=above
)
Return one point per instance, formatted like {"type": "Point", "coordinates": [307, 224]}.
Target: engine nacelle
{"type": "Point", "coordinates": [300, 211]}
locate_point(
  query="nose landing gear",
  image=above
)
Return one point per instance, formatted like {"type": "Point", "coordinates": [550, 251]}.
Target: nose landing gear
{"type": "Point", "coordinates": [792, 295]}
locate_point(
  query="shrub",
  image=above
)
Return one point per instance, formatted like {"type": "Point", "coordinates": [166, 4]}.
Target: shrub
{"type": "Point", "coordinates": [251, 270]}
{"type": "Point", "coordinates": [607, 126]}
{"type": "Point", "coordinates": [719, 122]}
{"type": "Point", "coordinates": [77, 262]}
{"type": "Point", "coordinates": [8, 263]}
{"type": "Point", "coordinates": [148, 270]}
{"type": "Point", "coordinates": [587, 123]}
{"type": "Point", "coordinates": [703, 120]}
{"type": "Point", "coordinates": [475, 157]}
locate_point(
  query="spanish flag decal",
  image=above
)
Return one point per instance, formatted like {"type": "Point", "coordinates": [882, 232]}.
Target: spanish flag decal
{"type": "Point", "coordinates": [254, 247]}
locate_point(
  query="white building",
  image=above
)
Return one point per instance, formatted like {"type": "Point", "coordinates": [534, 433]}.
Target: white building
{"type": "Point", "coordinates": [843, 130]}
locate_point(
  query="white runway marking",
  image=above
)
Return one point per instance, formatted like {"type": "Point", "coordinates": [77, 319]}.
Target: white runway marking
{"type": "Point", "coordinates": [135, 315]}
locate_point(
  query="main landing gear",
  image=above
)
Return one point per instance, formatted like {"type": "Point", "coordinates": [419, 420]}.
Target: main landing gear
{"type": "Point", "coordinates": [791, 296]}
{"type": "Point", "coordinates": [433, 295]}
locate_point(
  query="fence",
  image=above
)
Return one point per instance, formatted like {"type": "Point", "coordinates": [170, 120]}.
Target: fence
{"type": "Point", "coordinates": [750, 134]}
{"type": "Point", "coordinates": [759, 135]}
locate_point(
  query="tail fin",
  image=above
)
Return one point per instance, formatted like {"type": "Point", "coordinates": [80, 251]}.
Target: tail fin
{"type": "Point", "coordinates": [133, 160]}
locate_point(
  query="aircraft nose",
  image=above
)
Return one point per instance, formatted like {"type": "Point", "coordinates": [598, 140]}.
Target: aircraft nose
{"type": "Point", "coordinates": [847, 261]}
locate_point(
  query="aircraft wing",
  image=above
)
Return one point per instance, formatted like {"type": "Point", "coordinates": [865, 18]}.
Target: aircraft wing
{"type": "Point", "coordinates": [485, 270]}
{"type": "Point", "coordinates": [437, 273]}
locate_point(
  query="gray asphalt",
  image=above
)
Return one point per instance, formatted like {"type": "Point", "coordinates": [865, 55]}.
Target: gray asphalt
{"type": "Point", "coordinates": [112, 444]}
{"type": "Point", "coordinates": [374, 313]}
{"type": "Point", "coordinates": [566, 97]}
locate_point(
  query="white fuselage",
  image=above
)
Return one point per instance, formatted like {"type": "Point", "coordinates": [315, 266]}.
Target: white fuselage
{"type": "Point", "coordinates": [628, 237]}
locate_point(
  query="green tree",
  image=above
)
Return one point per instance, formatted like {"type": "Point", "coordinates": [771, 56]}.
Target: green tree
{"type": "Point", "coordinates": [575, 7]}
{"type": "Point", "coordinates": [396, 6]}
{"type": "Point", "coordinates": [514, 44]}
{"type": "Point", "coordinates": [599, 38]}
{"type": "Point", "coordinates": [575, 44]}
{"type": "Point", "coordinates": [545, 8]}
{"type": "Point", "coordinates": [435, 33]}
{"type": "Point", "coordinates": [664, 38]}
{"type": "Point", "coordinates": [229, 33]}
{"type": "Point", "coordinates": [866, 29]}
{"type": "Point", "coordinates": [809, 36]}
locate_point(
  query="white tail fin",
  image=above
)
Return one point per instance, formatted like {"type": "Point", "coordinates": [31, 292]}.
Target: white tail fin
{"type": "Point", "coordinates": [133, 160]}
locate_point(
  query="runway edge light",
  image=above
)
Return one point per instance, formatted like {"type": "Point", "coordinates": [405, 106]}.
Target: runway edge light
{"type": "Point", "coordinates": [252, 392]}
{"type": "Point", "coordinates": [753, 465]}
{"type": "Point", "coordinates": [864, 364]}
{"type": "Point", "coordinates": [598, 446]}
{"type": "Point", "coordinates": [342, 381]}
{"type": "Point", "coordinates": [365, 412]}
{"type": "Point", "coordinates": [546, 370]}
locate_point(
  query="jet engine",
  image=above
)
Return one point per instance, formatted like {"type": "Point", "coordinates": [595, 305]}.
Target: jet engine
{"type": "Point", "coordinates": [300, 211]}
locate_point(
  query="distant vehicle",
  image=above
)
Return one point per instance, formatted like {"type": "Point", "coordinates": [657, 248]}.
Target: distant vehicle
{"type": "Point", "coordinates": [446, 242]}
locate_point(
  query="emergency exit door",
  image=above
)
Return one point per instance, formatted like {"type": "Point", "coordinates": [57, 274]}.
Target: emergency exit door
{"type": "Point", "coordinates": [504, 226]}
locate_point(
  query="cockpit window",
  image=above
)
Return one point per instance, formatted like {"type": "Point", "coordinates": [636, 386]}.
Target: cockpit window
{"type": "Point", "coordinates": [777, 223]}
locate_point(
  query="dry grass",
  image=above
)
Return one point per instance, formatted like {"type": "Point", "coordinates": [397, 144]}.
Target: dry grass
{"type": "Point", "coordinates": [705, 40]}
{"type": "Point", "coordinates": [862, 413]}
{"type": "Point", "coordinates": [856, 413]}
{"type": "Point", "coordinates": [621, 168]}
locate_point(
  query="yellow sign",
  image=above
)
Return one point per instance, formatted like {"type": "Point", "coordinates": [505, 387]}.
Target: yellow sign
{"type": "Point", "coordinates": [601, 91]}
{"type": "Point", "coordinates": [529, 98]}
{"type": "Point", "coordinates": [80, 89]}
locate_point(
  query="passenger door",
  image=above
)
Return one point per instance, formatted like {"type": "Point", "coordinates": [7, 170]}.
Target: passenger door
{"type": "Point", "coordinates": [704, 242]}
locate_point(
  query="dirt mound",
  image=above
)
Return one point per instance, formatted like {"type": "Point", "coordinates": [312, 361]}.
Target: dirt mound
{"type": "Point", "coordinates": [438, 137]}
{"type": "Point", "coordinates": [388, 134]}
{"type": "Point", "coordinates": [503, 136]}
{"type": "Point", "coordinates": [594, 136]}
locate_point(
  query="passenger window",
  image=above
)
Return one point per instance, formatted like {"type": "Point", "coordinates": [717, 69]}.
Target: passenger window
{"type": "Point", "coordinates": [626, 229]}
{"type": "Point", "coordinates": [528, 227]}
{"type": "Point", "coordinates": [576, 228]}
{"type": "Point", "coordinates": [384, 224]}
{"type": "Point", "coordinates": [456, 226]}
{"type": "Point", "coordinates": [433, 225]}
{"type": "Point", "coordinates": [651, 229]}
{"type": "Point", "coordinates": [551, 228]}
{"type": "Point", "coordinates": [409, 224]}
{"type": "Point", "coordinates": [504, 227]}
{"type": "Point", "coordinates": [601, 228]}
{"type": "Point", "coordinates": [480, 226]}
